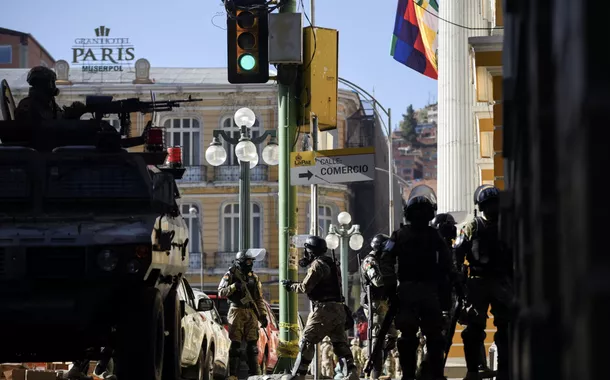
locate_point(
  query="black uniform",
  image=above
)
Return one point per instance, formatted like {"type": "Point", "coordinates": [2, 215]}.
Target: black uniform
{"type": "Point", "coordinates": [424, 262]}
{"type": "Point", "coordinates": [40, 103]}
{"type": "Point", "coordinates": [489, 282]}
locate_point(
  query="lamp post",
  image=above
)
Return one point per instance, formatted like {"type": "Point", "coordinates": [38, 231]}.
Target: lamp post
{"type": "Point", "coordinates": [246, 152]}
{"type": "Point", "coordinates": [342, 237]}
{"type": "Point", "coordinates": [193, 211]}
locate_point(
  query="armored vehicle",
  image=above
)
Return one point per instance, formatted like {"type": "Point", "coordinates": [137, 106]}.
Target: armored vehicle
{"type": "Point", "coordinates": [92, 243]}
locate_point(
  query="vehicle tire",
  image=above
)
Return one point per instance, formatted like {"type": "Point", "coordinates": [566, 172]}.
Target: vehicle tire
{"type": "Point", "coordinates": [208, 368]}
{"type": "Point", "coordinates": [196, 372]}
{"type": "Point", "coordinates": [141, 337]}
{"type": "Point", "coordinates": [174, 340]}
{"type": "Point", "coordinates": [264, 364]}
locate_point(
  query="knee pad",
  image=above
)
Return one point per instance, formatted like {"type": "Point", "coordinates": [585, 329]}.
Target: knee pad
{"type": "Point", "coordinates": [235, 349]}
{"type": "Point", "coordinates": [252, 347]}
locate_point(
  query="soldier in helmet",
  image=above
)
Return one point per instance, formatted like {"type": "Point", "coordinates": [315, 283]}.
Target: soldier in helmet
{"type": "Point", "coordinates": [322, 284]}
{"type": "Point", "coordinates": [244, 291]}
{"type": "Point", "coordinates": [382, 279]}
{"type": "Point", "coordinates": [424, 262]}
{"type": "Point", "coordinates": [489, 282]}
{"type": "Point", "coordinates": [40, 103]}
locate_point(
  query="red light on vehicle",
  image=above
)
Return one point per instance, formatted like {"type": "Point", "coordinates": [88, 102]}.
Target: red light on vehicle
{"type": "Point", "coordinates": [202, 317]}
{"type": "Point", "coordinates": [174, 156]}
{"type": "Point", "coordinates": [142, 251]}
{"type": "Point", "coordinates": [154, 136]}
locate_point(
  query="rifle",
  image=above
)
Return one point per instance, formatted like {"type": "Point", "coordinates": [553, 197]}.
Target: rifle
{"type": "Point", "coordinates": [369, 301]}
{"type": "Point", "coordinates": [248, 297]}
{"type": "Point", "coordinates": [104, 105]}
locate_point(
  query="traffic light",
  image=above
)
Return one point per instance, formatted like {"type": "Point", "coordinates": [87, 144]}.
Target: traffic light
{"type": "Point", "coordinates": [248, 43]}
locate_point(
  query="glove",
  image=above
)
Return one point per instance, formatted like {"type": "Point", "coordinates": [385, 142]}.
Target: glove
{"type": "Point", "coordinates": [238, 286]}
{"type": "Point", "coordinates": [264, 321]}
{"type": "Point", "coordinates": [287, 285]}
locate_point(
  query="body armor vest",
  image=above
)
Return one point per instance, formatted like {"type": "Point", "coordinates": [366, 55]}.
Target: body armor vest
{"type": "Point", "coordinates": [329, 288]}
{"type": "Point", "coordinates": [236, 297]}
{"type": "Point", "coordinates": [418, 255]}
{"type": "Point", "coordinates": [488, 253]}
{"type": "Point", "coordinates": [376, 293]}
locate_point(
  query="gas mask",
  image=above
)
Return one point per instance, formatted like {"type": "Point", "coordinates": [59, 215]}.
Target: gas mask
{"type": "Point", "coordinates": [306, 259]}
{"type": "Point", "coordinates": [448, 231]}
{"type": "Point", "coordinates": [246, 265]}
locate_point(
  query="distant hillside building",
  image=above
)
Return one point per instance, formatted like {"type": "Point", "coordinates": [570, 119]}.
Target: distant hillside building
{"type": "Point", "coordinates": [20, 50]}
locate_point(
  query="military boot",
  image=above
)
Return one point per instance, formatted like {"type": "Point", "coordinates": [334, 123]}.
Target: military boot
{"type": "Point", "coordinates": [349, 368]}
{"type": "Point", "coordinates": [472, 376]}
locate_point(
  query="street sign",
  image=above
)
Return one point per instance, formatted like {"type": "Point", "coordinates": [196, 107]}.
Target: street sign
{"type": "Point", "coordinates": [332, 166]}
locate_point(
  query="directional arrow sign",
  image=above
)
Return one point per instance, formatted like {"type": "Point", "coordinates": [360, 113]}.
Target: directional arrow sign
{"type": "Point", "coordinates": [332, 166]}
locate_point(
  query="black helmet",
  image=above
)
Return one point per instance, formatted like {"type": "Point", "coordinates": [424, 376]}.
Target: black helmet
{"type": "Point", "coordinates": [421, 204]}
{"type": "Point", "coordinates": [378, 242]}
{"type": "Point", "coordinates": [484, 193]}
{"type": "Point", "coordinates": [442, 219]}
{"type": "Point", "coordinates": [245, 261]}
{"type": "Point", "coordinates": [315, 245]}
{"type": "Point", "coordinates": [43, 78]}
{"type": "Point", "coordinates": [445, 224]}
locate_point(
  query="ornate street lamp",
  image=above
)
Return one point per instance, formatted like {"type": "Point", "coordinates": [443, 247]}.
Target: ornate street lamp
{"type": "Point", "coordinates": [246, 152]}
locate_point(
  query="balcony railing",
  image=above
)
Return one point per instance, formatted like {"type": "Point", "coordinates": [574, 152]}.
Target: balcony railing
{"type": "Point", "coordinates": [226, 259]}
{"type": "Point", "coordinates": [194, 174]}
{"type": "Point", "coordinates": [230, 173]}
{"type": "Point", "coordinates": [194, 263]}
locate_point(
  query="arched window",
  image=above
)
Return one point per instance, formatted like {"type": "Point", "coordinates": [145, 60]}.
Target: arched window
{"type": "Point", "coordinates": [228, 125]}
{"type": "Point", "coordinates": [325, 219]}
{"type": "Point", "coordinates": [186, 133]}
{"type": "Point", "coordinates": [193, 222]}
{"type": "Point", "coordinates": [230, 227]}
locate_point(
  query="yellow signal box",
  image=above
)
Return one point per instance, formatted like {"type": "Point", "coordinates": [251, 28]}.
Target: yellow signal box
{"type": "Point", "coordinates": [319, 78]}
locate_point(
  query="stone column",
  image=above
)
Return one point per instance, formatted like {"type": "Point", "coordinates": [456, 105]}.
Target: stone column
{"type": "Point", "coordinates": [457, 138]}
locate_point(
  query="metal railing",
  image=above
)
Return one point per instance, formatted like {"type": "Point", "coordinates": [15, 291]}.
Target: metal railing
{"type": "Point", "coordinates": [194, 174]}
{"type": "Point", "coordinates": [230, 173]}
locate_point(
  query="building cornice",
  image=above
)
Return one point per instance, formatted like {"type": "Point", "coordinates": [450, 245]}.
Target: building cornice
{"type": "Point", "coordinates": [486, 43]}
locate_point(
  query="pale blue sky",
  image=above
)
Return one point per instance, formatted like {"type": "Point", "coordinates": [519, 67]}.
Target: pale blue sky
{"type": "Point", "coordinates": [180, 33]}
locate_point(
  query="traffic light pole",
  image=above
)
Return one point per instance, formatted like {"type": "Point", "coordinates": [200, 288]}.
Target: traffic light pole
{"type": "Point", "coordinates": [288, 256]}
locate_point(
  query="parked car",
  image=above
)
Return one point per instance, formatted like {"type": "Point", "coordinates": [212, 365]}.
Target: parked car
{"type": "Point", "coordinates": [215, 340]}
{"type": "Point", "coordinates": [268, 340]}
{"type": "Point", "coordinates": [194, 358]}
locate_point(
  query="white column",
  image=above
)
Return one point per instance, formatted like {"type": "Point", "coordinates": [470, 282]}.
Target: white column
{"type": "Point", "coordinates": [457, 137]}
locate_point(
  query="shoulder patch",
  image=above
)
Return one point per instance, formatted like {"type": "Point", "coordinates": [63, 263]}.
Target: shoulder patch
{"type": "Point", "coordinates": [226, 277]}
{"type": "Point", "coordinates": [367, 265]}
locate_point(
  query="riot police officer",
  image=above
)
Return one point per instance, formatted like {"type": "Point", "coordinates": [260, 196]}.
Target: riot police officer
{"type": "Point", "coordinates": [382, 281]}
{"type": "Point", "coordinates": [322, 284]}
{"type": "Point", "coordinates": [40, 103]}
{"type": "Point", "coordinates": [489, 282]}
{"type": "Point", "coordinates": [424, 262]}
{"type": "Point", "coordinates": [244, 291]}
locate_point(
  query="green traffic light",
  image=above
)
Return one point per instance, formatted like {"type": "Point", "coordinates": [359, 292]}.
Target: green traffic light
{"type": "Point", "coordinates": [247, 62]}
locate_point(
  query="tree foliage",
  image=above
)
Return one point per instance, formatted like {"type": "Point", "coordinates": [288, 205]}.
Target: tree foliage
{"type": "Point", "coordinates": [408, 124]}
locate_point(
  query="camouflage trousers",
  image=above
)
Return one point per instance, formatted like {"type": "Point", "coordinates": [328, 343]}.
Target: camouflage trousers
{"type": "Point", "coordinates": [243, 324]}
{"type": "Point", "coordinates": [380, 310]}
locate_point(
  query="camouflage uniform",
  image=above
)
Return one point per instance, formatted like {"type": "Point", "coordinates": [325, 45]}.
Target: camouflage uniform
{"type": "Point", "coordinates": [327, 358]}
{"type": "Point", "coordinates": [382, 278]}
{"type": "Point", "coordinates": [359, 358]}
{"type": "Point", "coordinates": [322, 284]}
{"type": "Point", "coordinates": [242, 318]}
{"type": "Point", "coordinates": [40, 103]}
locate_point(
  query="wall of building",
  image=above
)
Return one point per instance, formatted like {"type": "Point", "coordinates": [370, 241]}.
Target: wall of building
{"type": "Point", "coordinates": [25, 52]}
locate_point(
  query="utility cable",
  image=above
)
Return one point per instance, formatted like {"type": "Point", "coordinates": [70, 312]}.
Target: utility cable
{"type": "Point", "coordinates": [453, 23]}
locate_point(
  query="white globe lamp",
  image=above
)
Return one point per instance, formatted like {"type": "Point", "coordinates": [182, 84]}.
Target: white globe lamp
{"type": "Point", "coordinates": [332, 241]}
{"type": "Point", "coordinates": [246, 151]}
{"type": "Point", "coordinates": [244, 117]}
{"type": "Point", "coordinates": [271, 154]}
{"type": "Point", "coordinates": [215, 155]}
{"type": "Point", "coordinates": [356, 241]}
{"type": "Point", "coordinates": [344, 218]}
